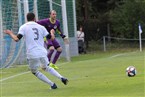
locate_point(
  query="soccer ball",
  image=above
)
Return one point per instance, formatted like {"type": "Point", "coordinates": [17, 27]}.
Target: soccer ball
{"type": "Point", "coordinates": [131, 71]}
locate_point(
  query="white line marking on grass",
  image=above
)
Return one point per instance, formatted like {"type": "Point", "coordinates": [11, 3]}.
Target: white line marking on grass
{"type": "Point", "coordinates": [3, 72]}
{"type": "Point", "coordinates": [113, 56]}
{"type": "Point", "coordinates": [10, 77]}
{"type": "Point", "coordinates": [20, 82]}
{"type": "Point", "coordinates": [13, 76]}
{"type": "Point", "coordinates": [117, 55]}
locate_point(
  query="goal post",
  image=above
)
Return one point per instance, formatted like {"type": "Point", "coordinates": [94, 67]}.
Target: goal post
{"type": "Point", "coordinates": [65, 28]}
{"type": "Point", "coordinates": [1, 34]}
{"type": "Point", "coordinates": [26, 9]}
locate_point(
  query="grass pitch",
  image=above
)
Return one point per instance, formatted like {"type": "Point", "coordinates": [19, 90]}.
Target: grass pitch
{"type": "Point", "coordinates": [90, 75]}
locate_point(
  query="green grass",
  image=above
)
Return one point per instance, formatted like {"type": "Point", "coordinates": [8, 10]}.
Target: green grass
{"type": "Point", "coordinates": [91, 75]}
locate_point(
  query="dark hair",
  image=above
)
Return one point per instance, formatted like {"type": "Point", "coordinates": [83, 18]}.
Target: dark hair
{"type": "Point", "coordinates": [30, 16]}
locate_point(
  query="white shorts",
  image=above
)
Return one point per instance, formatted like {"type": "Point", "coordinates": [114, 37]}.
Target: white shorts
{"type": "Point", "coordinates": [38, 62]}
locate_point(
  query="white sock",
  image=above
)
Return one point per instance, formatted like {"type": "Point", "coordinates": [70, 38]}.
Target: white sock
{"type": "Point", "coordinates": [42, 77]}
{"type": "Point", "coordinates": [53, 72]}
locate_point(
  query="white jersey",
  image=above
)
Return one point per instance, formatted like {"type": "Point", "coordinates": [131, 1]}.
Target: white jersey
{"type": "Point", "coordinates": [33, 34]}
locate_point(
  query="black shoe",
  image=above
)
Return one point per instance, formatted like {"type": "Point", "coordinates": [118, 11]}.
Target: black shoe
{"type": "Point", "coordinates": [54, 86]}
{"type": "Point", "coordinates": [64, 80]}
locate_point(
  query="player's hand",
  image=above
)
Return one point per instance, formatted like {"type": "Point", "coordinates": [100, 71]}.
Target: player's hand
{"type": "Point", "coordinates": [8, 32]}
{"type": "Point", "coordinates": [66, 41]}
{"type": "Point", "coordinates": [52, 36]}
{"type": "Point", "coordinates": [52, 31]}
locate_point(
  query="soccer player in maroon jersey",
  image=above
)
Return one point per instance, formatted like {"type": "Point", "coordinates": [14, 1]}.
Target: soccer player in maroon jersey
{"type": "Point", "coordinates": [53, 25]}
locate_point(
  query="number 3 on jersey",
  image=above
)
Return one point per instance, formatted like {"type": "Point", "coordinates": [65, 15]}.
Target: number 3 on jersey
{"type": "Point", "coordinates": [36, 33]}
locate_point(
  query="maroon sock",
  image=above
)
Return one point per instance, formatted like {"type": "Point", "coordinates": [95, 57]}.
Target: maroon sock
{"type": "Point", "coordinates": [57, 54]}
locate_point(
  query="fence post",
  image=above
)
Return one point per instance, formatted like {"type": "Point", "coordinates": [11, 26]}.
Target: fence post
{"type": "Point", "coordinates": [104, 43]}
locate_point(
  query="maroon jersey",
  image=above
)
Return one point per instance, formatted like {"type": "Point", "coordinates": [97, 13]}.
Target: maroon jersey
{"type": "Point", "coordinates": [48, 25]}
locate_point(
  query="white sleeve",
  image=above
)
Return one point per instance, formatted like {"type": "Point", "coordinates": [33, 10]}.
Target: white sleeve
{"type": "Point", "coordinates": [45, 32]}
{"type": "Point", "coordinates": [77, 33]}
{"type": "Point", "coordinates": [83, 34]}
{"type": "Point", "coordinates": [21, 30]}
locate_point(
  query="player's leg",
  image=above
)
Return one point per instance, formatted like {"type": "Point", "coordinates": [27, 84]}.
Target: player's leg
{"type": "Point", "coordinates": [50, 47]}
{"type": "Point", "coordinates": [52, 70]}
{"type": "Point", "coordinates": [33, 65]}
{"type": "Point", "coordinates": [57, 54]}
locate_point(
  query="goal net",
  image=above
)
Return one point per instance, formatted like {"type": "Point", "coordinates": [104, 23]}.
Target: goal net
{"type": "Point", "coordinates": [10, 50]}
{"type": "Point", "coordinates": [13, 16]}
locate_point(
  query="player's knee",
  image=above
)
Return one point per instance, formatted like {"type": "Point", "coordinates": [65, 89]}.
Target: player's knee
{"type": "Point", "coordinates": [34, 71]}
{"type": "Point", "coordinates": [44, 69]}
{"type": "Point", "coordinates": [51, 48]}
{"type": "Point", "coordinates": [59, 49]}
{"type": "Point", "coordinates": [48, 68]}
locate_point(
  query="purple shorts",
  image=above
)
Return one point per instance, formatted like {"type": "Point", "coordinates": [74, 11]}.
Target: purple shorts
{"type": "Point", "coordinates": [52, 43]}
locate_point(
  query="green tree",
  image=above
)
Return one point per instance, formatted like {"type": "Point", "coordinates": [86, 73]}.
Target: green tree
{"type": "Point", "coordinates": [95, 15]}
{"type": "Point", "coordinates": [125, 19]}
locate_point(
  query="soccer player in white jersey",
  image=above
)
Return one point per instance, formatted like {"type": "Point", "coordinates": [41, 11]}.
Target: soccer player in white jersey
{"type": "Point", "coordinates": [33, 34]}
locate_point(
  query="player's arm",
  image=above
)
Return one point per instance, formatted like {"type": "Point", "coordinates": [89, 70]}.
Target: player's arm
{"type": "Point", "coordinates": [48, 35]}
{"type": "Point", "coordinates": [13, 36]}
{"type": "Point", "coordinates": [60, 32]}
{"type": "Point", "coordinates": [66, 41]}
{"type": "Point", "coordinates": [42, 22]}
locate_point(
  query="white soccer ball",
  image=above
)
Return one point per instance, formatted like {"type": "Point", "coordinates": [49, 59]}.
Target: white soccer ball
{"type": "Point", "coordinates": [131, 71]}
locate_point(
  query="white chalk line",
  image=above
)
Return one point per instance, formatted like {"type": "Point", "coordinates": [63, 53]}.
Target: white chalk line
{"type": "Point", "coordinates": [10, 77]}
{"type": "Point", "coordinates": [117, 55]}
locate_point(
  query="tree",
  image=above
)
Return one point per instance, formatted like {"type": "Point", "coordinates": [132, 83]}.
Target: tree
{"type": "Point", "coordinates": [125, 19]}
{"type": "Point", "coordinates": [90, 12]}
